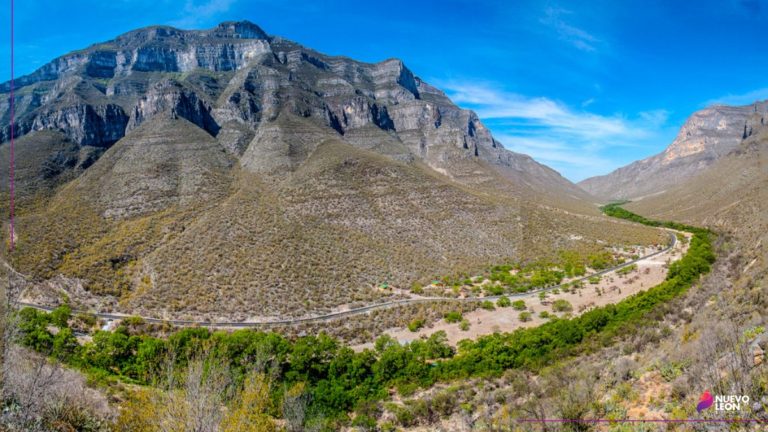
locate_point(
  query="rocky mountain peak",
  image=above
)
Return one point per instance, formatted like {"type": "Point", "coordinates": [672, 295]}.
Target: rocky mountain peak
{"type": "Point", "coordinates": [715, 131]}
{"type": "Point", "coordinates": [171, 35]}
{"type": "Point", "coordinates": [231, 162]}
{"type": "Point", "coordinates": [239, 30]}
{"type": "Point", "coordinates": [235, 82]}
{"type": "Point", "coordinates": [705, 137]}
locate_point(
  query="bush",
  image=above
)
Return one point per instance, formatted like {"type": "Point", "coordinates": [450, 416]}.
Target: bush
{"type": "Point", "coordinates": [416, 324]}
{"type": "Point", "coordinates": [494, 289]}
{"type": "Point", "coordinates": [453, 317]}
{"type": "Point", "coordinates": [626, 270]}
{"type": "Point", "coordinates": [518, 305]}
{"type": "Point", "coordinates": [503, 302]}
{"type": "Point", "coordinates": [364, 422]}
{"type": "Point", "coordinates": [87, 319]}
{"type": "Point", "coordinates": [464, 325]}
{"type": "Point", "coordinates": [416, 288]}
{"type": "Point", "coordinates": [133, 321]}
{"type": "Point", "coordinates": [60, 316]}
{"type": "Point", "coordinates": [338, 378]}
{"type": "Point", "coordinates": [488, 305]}
{"type": "Point", "coordinates": [561, 305]}
{"type": "Point", "coordinates": [404, 416]}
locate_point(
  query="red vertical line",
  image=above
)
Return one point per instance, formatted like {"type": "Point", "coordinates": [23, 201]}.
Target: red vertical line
{"type": "Point", "coordinates": [12, 162]}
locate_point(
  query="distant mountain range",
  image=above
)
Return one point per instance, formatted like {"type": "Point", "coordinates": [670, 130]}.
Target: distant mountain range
{"type": "Point", "coordinates": [714, 174]}
{"type": "Point", "coordinates": [227, 172]}
{"type": "Point", "coordinates": [706, 136]}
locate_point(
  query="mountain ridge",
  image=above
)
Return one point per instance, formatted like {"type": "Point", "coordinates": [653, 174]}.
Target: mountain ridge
{"type": "Point", "coordinates": [206, 173]}
{"type": "Point", "coordinates": [95, 112]}
{"type": "Point", "coordinates": [706, 136]}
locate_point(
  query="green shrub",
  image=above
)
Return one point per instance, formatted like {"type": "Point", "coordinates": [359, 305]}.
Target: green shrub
{"type": "Point", "coordinates": [364, 422]}
{"type": "Point", "coordinates": [487, 305]}
{"type": "Point", "coordinates": [626, 270]}
{"type": "Point", "coordinates": [453, 317]}
{"type": "Point", "coordinates": [133, 321]}
{"type": "Point", "coordinates": [464, 325]}
{"type": "Point", "coordinates": [493, 289]}
{"type": "Point", "coordinates": [561, 305]}
{"type": "Point", "coordinates": [60, 316]}
{"type": "Point", "coordinates": [404, 416]}
{"type": "Point", "coordinates": [339, 378]}
{"type": "Point", "coordinates": [416, 324]}
{"type": "Point", "coordinates": [518, 305]}
{"type": "Point", "coordinates": [503, 302]}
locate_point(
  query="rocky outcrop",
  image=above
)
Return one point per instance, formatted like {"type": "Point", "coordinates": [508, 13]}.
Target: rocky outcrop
{"type": "Point", "coordinates": [237, 81]}
{"type": "Point", "coordinates": [176, 101]}
{"type": "Point", "coordinates": [228, 46]}
{"type": "Point", "coordinates": [705, 137]}
{"type": "Point", "coordinates": [251, 175]}
{"type": "Point", "coordinates": [87, 125]}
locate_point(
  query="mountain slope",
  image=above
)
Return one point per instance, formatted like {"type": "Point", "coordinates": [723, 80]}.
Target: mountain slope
{"type": "Point", "coordinates": [228, 172]}
{"type": "Point", "coordinates": [705, 137]}
{"type": "Point", "coordinates": [729, 196]}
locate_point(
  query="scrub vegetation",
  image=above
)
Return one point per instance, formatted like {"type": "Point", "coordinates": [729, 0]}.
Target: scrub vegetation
{"type": "Point", "coordinates": [334, 379]}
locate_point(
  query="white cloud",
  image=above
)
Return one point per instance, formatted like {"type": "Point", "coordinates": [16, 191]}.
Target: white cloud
{"type": "Point", "coordinates": [494, 104]}
{"type": "Point", "coordinates": [741, 99]}
{"type": "Point", "coordinates": [575, 36]}
{"type": "Point", "coordinates": [577, 143]}
{"type": "Point", "coordinates": [655, 117]}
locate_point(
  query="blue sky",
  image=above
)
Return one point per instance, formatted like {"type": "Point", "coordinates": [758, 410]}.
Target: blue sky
{"type": "Point", "coordinates": [583, 87]}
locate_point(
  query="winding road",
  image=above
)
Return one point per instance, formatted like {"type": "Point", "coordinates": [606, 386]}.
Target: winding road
{"type": "Point", "coordinates": [350, 312]}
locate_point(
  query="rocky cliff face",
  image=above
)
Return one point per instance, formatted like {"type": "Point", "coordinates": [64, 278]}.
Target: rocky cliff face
{"type": "Point", "coordinates": [234, 81]}
{"type": "Point", "coordinates": [706, 136]}
{"type": "Point", "coordinates": [226, 171]}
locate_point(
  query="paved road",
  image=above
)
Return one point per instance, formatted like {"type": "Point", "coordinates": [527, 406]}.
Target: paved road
{"type": "Point", "coordinates": [355, 311]}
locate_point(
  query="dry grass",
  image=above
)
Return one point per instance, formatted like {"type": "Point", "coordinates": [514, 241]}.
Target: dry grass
{"type": "Point", "coordinates": [304, 242]}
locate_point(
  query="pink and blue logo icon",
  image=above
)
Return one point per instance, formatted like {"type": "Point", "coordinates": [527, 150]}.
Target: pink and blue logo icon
{"type": "Point", "coordinates": [705, 401]}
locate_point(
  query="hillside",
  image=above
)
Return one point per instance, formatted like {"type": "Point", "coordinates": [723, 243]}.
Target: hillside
{"type": "Point", "coordinates": [730, 197]}
{"type": "Point", "coordinates": [229, 173]}
{"type": "Point", "coordinates": [706, 136]}
{"type": "Point", "coordinates": [714, 336]}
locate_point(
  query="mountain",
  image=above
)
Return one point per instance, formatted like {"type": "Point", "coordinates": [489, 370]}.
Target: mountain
{"type": "Point", "coordinates": [729, 196]}
{"type": "Point", "coordinates": [227, 172]}
{"type": "Point", "coordinates": [705, 137]}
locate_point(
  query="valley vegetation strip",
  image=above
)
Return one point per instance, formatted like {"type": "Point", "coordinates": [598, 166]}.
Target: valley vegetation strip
{"type": "Point", "coordinates": [338, 380]}
{"type": "Point", "coordinates": [354, 311]}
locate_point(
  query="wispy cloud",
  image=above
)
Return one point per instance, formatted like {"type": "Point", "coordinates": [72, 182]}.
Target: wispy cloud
{"type": "Point", "coordinates": [577, 143]}
{"type": "Point", "coordinates": [741, 99]}
{"type": "Point", "coordinates": [579, 38]}
{"type": "Point", "coordinates": [195, 12]}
